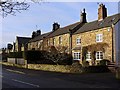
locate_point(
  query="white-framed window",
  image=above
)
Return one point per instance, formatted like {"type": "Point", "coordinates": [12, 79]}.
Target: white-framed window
{"type": "Point", "coordinates": [99, 55]}
{"type": "Point", "coordinates": [88, 56]}
{"type": "Point", "coordinates": [76, 55]}
{"type": "Point", "coordinates": [60, 40]}
{"type": "Point", "coordinates": [78, 41]}
{"type": "Point", "coordinates": [99, 37]}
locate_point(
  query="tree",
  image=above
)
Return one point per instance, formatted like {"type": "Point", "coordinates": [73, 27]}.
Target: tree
{"type": "Point", "coordinates": [9, 47]}
{"type": "Point", "coordinates": [12, 6]}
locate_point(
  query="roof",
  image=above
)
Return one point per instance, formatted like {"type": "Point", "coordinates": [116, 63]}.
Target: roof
{"type": "Point", "coordinates": [40, 37]}
{"type": "Point", "coordinates": [23, 40]}
{"type": "Point", "coordinates": [108, 21]}
{"type": "Point", "coordinates": [65, 29]}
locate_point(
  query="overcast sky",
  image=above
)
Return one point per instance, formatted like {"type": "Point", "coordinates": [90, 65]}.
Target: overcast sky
{"type": "Point", "coordinates": [45, 14]}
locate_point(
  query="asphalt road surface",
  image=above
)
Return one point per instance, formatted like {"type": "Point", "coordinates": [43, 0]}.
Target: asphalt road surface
{"type": "Point", "coordinates": [13, 77]}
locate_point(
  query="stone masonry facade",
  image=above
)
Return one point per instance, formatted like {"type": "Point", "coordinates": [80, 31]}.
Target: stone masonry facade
{"type": "Point", "coordinates": [89, 38]}
{"type": "Point", "coordinates": [96, 36]}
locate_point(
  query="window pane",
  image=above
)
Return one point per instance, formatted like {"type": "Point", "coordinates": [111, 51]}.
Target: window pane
{"type": "Point", "coordinates": [99, 37]}
{"type": "Point", "coordinates": [77, 55]}
{"type": "Point", "coordinates": [78, 41]}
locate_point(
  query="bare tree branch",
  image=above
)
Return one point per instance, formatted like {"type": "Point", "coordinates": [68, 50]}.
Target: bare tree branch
{"type": "Point", "coordinates": [12, 6]}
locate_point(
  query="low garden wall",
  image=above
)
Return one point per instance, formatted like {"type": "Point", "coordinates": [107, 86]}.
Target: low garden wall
{"type": "Point", "coordinates": [20, 61]}
{"type": "Point", "coordinates": [11, 60]}
{"type": "Point", "coordinates": [55, 68]}
{"type": "Point", "coordinates": [62, 68]}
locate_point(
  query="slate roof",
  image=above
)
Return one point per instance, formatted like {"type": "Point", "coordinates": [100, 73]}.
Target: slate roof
{"type": "Point", "coordinates": [23, 40]}
{"type": "Point", "coordinates": [40, 37]}
{"type": "Point", "coordinates": [65, 29]}
{"type": "Point", "coordinates": [79, 27]}
{"type": "Point", "coordinates": [108, 21]}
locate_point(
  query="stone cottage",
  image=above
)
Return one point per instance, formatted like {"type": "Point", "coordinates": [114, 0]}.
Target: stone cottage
{"type": "Point", "coordinates": [20, 44]}
{"type": "Point", "coordinates": [91, 41]}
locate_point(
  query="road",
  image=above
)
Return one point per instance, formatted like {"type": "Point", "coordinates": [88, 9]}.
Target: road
{"type": "Point", "coordinates": [13, 77]}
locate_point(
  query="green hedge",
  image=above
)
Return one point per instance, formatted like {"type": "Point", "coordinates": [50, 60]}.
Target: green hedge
{"type": "Point", "coordinates": [104, 62]}
{"type": "Point", "coordinates": [44, 57]}
{"type": "Point", "coordinates": [15, 55]}
{"type": "Point", "coordinates": [36, 56]}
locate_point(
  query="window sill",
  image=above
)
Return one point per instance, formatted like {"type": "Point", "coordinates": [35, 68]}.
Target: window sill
{"type": "Point", "coordinates": [99, 59]}
{"type": "Point", "coordinates": [88, 59]}
{"type": "Point", "coordinates": [77, 59]}
{"type": "Point", "coordinates": [99, 41]}
{"type": "Point", "coordinates": [78, 44]}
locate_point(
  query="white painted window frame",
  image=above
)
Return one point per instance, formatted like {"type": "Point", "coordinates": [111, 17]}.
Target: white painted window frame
{"type": "Point", "coordinates": [78, 43]}
{"type": "Point", "coordinates": [89, 55]}
{"type": "Point", "coordinates": [99, 38]}
{"type": "Point", "coordinates": [78, 55]}
{"type": "Point", "coordinates": [99, 55]}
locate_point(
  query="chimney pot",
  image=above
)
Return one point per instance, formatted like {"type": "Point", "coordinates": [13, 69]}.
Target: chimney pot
{"type": "Point", "coordinates": [83, 16]}
{"type": "Point", "coordinates": [56, 26]}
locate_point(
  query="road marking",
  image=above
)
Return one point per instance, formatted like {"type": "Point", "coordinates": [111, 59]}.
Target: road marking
{"type": "Point", "coordinates": [26, 83]}
{"type": "Point", "coordinates": [15, 71]}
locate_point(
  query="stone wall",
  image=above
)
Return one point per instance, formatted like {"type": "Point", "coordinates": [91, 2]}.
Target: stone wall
{"type": "Point", "coordinates": [20, 61]}
{"type": "Point", "coordinates": [65, 41]}
{"type": "Point", "coordinates": [56, 68]}
{"type": "Point", "coordinates": [44, 45]}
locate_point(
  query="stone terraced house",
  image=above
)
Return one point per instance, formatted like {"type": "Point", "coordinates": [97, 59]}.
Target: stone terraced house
{"type": "Point", "coordinates": [20, 44]}
{"type": "Point", "coordinates": [91, 41]}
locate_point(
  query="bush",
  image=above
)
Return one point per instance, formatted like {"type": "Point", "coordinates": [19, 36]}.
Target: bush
{"type": "Point", "coordinates": [44, 57]}
{"type": "Point", "coordinates": [104, 62]}
{"type": "Point", "coordinates": [85, 63]}
{"type": "Point", "coordinates": [37, 57]}
{"type": "Point", "coordinates": [15, 55]}
{"type": "Point", "coordinates": [95, 69]}
{"type": "Point", "coordinates": [31, 55]}
{"type": "Point", "coordinates": [64, 59]}
{"type": "Point", "coordinates": [4, 56]}
{"type": "Point", "coordinates": [76, 67]}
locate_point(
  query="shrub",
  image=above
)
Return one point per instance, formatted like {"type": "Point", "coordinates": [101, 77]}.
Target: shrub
{"type": "Point", "coordinates": [64, 59]}
{"type": "Point", "coordinates": [31, 55]}
{"type": "Point", "coordinates": [95, 69]}
{"type": "Point", "coordinates": [104, 62]}
{"type": "Point", "coordinates": [38, 57]}
{"type": "Point", "coordinates": [85, 63]}
{"type": "Point", "coordinates": [59, 58]}
{"type": "Point", "coordinates": [4, 56]}
{"type": "Point", "coordinates": [44, 57]}
{"type": "Point", "coordinates": [15, 55]}
{"type": "Point", "coordinates": [76, 67]}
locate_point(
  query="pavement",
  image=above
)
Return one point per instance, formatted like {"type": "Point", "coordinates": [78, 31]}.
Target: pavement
{"type": "Point", "coordinates": [14, 77]}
